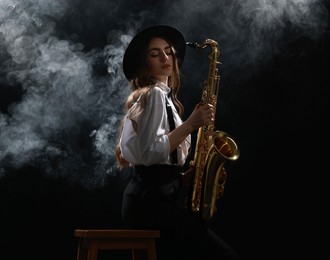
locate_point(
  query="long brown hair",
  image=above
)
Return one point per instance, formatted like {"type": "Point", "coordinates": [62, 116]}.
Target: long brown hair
{"type": "Point", "coordinates": [141, 85]}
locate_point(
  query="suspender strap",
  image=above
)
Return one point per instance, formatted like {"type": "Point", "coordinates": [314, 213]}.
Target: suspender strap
{"type": "Point", "coordinates": [174, 154]}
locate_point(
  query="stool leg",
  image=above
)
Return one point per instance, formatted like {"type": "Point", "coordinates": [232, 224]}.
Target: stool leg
{"type": "Point", "coordinates": [151, 250]}
{"type": "Point", "coordinates": [82, 252]}
{"type": "Point", "coordinates": [93, 251]}
{"type": "Point", "coordinates": [139, 254]}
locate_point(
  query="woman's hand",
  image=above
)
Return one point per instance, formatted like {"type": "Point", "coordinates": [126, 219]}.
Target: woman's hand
{"type": "Point", "coordinates": [202, 115]}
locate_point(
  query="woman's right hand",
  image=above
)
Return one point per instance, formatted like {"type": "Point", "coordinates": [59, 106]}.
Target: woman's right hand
{"type": "Point", "coordinates": [202, 115]}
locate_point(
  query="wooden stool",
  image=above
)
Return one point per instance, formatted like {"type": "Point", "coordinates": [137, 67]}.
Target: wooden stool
{"type": "Point", "coordinates": [92, 240]}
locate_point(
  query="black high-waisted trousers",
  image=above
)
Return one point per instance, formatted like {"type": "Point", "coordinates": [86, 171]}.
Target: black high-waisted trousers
{"type": "Point", "coordinates": [154, 199]}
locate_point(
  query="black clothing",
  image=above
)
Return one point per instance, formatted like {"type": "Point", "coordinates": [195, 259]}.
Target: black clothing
{"type": "Point", "coordinates": [154, 199]}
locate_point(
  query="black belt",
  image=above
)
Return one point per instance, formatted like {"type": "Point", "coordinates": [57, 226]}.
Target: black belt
{"type": "Point", "coordinates": [159, 173]}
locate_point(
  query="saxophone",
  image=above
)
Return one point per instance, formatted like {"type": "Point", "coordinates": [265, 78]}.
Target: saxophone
{"type": "Point", "coordinates": [213, 148]}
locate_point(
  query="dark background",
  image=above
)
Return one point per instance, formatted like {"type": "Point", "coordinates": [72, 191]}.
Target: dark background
{"type": "Point", "coordinates": [61, 97]}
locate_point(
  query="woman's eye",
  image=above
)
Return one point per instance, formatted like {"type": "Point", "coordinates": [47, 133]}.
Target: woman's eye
{"type": "Point", "coordinates": [157, 54]}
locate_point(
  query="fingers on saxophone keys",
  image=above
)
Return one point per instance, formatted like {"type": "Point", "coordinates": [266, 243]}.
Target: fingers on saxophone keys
{"type": "Point", "coordinates": [210, 111]}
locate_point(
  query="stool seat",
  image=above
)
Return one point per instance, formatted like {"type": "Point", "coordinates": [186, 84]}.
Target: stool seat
{"type": "Point", "coordinates": [92, 240]}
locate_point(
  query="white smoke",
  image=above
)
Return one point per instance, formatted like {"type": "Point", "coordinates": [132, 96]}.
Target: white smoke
{"type": "Point", "coordinates": [249, 33]}
{"type": "Point", "coordinates": [61, 94]}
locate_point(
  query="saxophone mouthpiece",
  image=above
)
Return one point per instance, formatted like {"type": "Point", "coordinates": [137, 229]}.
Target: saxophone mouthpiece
{"type": "Point", "coordinates": [192, 45]}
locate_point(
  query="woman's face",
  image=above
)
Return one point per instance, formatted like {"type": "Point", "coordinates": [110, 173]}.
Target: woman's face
{"type": "Point", "coordinates": [160, 59]}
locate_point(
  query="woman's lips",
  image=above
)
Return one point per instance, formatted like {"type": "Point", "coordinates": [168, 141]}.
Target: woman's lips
{"type": "Point", "coordinates": [166, 66]}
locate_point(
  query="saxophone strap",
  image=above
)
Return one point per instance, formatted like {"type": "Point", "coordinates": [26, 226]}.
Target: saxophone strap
{"type": "Point", "coordinates": [174, 154]}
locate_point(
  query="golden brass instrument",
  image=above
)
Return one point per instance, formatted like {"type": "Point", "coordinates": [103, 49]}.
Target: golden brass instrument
{"type": "Point", "coordinates": [213, 148]}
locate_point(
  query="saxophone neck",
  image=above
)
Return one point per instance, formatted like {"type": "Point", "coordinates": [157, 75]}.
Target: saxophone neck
{"type": "Point", "coordinates": [208, 42]}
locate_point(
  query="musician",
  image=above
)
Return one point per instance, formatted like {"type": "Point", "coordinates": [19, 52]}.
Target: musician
{"type": "Point", "coordinates": [155, 142]}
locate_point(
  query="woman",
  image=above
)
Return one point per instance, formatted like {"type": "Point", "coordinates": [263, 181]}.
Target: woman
{"type": "Point", "coordinates": [157, 147]}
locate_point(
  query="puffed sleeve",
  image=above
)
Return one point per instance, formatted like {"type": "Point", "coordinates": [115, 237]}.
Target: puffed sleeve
{"type": "Point", "coordinates": [150, 144]}
{"type": "Point", "coordinates": [153, 141]}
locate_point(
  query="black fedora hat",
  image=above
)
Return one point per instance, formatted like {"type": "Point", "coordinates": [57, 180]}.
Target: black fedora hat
{"type": "Point", "coordinates": [134, 48]}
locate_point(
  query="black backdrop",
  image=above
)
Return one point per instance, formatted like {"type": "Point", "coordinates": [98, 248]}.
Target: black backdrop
{"type": "Point", "coordinates": [61, 96]}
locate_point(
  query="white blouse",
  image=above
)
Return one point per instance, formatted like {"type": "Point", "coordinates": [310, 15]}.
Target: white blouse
{"type": "Point", "coordinates": [150, 144]}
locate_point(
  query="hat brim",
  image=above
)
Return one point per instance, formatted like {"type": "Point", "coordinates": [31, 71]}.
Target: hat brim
{"type": "Point", "coordinates": [130, 64]}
